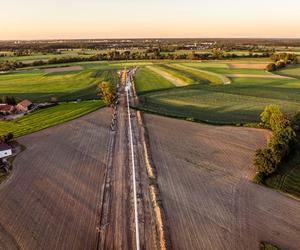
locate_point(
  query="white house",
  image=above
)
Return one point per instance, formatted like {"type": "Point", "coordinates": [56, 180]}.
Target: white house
{"type": "Point", "coordinates": [5, 150]}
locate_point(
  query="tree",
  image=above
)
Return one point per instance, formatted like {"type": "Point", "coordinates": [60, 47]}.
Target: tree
{"type": "Point", "coordinates": [108, 93]}
{"type": "Point", "coordinates": [264, 161]}
{"type": "Point", "coordinates": [269, 159]}
{"type": "Point", "coordinates": [259, 178]}
{"type": "Point", "coordinates": [7, 138]}
{"type": "Point", "coordinates": [273, 118]}
{"type": "Point", "coordinates": [271, 67]}
{"type": "Point", "coordinates": [10, 100]}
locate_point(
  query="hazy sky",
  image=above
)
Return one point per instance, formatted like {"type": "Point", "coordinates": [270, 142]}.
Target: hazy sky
{"type": "Point", "coordinates": [43, 19]}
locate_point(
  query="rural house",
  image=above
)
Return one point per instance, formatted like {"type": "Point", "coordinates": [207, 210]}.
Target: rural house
{"type": "Point", "coordinates": [24, 106]}
{"type": "Point", "coordinates": [5, 150]}
{"type": "Point", "coordinates": [6, 109]}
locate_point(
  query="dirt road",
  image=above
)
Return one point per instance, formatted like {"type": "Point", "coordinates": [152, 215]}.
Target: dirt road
{"type": "Point", "coordinates": [203, 174]}
{"type": "Point", "coordinates": [53, 199]}
{"type": "Point", "coordinates": [118, 220]}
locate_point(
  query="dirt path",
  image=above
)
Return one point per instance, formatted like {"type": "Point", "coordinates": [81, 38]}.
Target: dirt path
{"type": "Point", "coordinates": [258, 76]}
{"type": "Point", "coordinates": [176, 81]}
{"type": "Point", "coordinates": [203, 174]}
{"type": "Point", "coordinates": [53, 199]}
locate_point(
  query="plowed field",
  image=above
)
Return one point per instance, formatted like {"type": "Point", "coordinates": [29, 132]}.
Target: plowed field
{"type": "Point", "coordinates": [204, 177]}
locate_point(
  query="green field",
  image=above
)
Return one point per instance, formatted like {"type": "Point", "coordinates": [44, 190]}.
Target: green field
{"type": "Point", "coordinates": [224, 68]}
{"type": "Point", "coordinates": [291, 71]}
{"type": "Point", "coordinates": [210, 104]}
{"type": "Point", "coordinates": [166, 68]}
{"type": "Point", "coordinates": [47, 56]}
{"type": "Point", "coordinates": [287, 177]}
{"type": "Point", "coordinates": [239, 102]}
{"type": "Point", "coordinates": [209, 76]}
{"type": "Point", "coordinates": [49, 117]}
{"type": "Point", "coordinates": [39, 86]}
{"type": "Point", "coordinates": [146, 80]}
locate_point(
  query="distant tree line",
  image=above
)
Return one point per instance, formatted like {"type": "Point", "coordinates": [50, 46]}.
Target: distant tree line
{"type": "Point", "coordinates": [116, 55]}
{"type": "Point", "coordinates": [269, 159]}
{"type": "Point", "coordinates": [281, 60]}
{"type": "Point", "coordinates": [11, 65]}
{"type": "Point", "coordinates": [166, 44]}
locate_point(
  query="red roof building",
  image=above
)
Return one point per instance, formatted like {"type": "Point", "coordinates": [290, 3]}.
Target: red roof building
{"type": "Point", "coordinates": [24, 106]}
{"type": "Point", "coordinates": [6, 109]}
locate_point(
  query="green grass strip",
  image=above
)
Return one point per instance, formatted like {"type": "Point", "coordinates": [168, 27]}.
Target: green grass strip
{"type": "Point", "coordinates": [49, 117]}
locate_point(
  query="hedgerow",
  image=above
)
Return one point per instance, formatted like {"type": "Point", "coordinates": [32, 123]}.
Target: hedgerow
{"type": "Point", "coordinates": [269, 159]}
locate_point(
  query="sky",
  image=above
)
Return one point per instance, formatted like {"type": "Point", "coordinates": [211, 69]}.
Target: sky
{"type": "Point", "coordinates": [68, 19]}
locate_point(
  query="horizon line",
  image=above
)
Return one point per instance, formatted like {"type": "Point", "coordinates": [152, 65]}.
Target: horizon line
{"type": "Point", "coordinates": [149, 38]}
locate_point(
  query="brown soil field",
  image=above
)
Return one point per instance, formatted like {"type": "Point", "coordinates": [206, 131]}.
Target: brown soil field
{"type": "Point", "coordinates": [210, 202]}
{"type": "Point", "coordinates": [53, 198]}
{"type": "Point", "coordinates": [248, 66]}
{"type": "Point", "coordinates": [63, 69]}
{"type": "Point", "coordinates": [176, 81]}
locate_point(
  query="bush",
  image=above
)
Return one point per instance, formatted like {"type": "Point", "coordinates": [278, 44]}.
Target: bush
{"type": "Point", "coordinates": [259, 178]}
{"type": "Point", "coordinates": [267, 246]}
{"type": "Point", "coordinates": [271, 67]}
{"type": "Point", "coordinates": [7, 138]}
{"type": "Point", "coordinates": [265, 161]}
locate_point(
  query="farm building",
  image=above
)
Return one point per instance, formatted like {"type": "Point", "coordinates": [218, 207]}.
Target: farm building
{"type": "Point", "coordinates": [5, 150]}
{"type": "Point", "coordinates": [6, 109]}
{"type": "Point", "coordinates": [24, 106]}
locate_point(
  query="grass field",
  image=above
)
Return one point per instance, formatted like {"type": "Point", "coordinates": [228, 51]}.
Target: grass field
{"type": "Point", "coordinates": [146, 80]}
{"type": "Point", "coordinates": [287, 178]}
{"type": "Point", "coordinates": [209, 76]}
{"type": "Point", "coordinates": [48, 117]}
{"type": "Point", "coordinates": [222, 104]}
{"type": "Point", "coordinates": [38, 85]}
{"type": "Point", "coordinates": [175, 74]}
{"type": "Point", "coordinates": [292, 71]}
{"type": "Point", "coordinates": [224, 68]}
{"type": "Point", "coordinates": [47, 56]}
{"type": "Point", "coordinates": [190, 78]}
{"type": "Point", "coordinates": [239, 102]}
